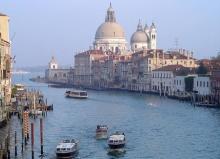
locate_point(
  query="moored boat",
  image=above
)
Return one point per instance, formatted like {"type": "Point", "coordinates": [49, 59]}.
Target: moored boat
{"type": "Point", "coordinates": [101, 132]}
{"type": "Point", "coordinates": [67, 148]}
{"type": "Point", "coordinates": [116, 141]}
{"type": "Point", "coordinates": [76, 94]}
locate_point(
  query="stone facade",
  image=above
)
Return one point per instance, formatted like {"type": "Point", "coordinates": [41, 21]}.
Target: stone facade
{"type": "Point", "coordinates": [5, 66]}
{"type": "Point", "coordinates": [54, 74]}
{"type": "Point", "coordinates": [215, 85]}
{"type": "Point", "coordinates": [202, 85]}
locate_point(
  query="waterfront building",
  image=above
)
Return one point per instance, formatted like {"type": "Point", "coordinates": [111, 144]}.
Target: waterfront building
{"type": "Point", "coordinates": [111, 65]}
{"type": "Point", "coordinates": [215, 85]}
{"type": "Point", "coordinates": [5, 66]}
{"type": "Point", "coordinates": [110, 35]}
{"type": "Point", "coordinates": [202, 85]}
{"type": "Point", "coordinates": [144, 38]}
{"type": "Point", "coordinates": [55, 74]}
{"type": "Point", "coordinates": [83, 66]}
{"type": "Point", "coordinates": [170, 79]}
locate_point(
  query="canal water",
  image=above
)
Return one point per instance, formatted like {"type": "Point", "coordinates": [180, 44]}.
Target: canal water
{"type": "Point", "coordinates": [155, 127]}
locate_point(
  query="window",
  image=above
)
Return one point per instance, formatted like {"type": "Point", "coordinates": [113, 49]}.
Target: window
{"type": "Point", "coordinates": [149, 62]}
{"type": "Point", "coordinates": [116, 49]}
{"type": "Point", "coordinates": [180, 82]}
{"type": "Point", "coordinates": [197, 83]}
{"type": "Point", "coordinates": [200, 83]}
{"type": "Point", "coordinates": [135, 46]}
{"type": "Point", "coordinates": [204, 84]}
{"type": "Point", "coordinates": [207, 84]}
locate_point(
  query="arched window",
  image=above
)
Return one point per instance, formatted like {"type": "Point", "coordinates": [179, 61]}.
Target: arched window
{"type": "Point", "coordinates": [55, 75]}
{"type": "Point", "coordinates": [135, 46]}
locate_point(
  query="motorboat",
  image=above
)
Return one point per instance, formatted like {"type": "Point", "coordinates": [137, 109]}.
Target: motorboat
{"type": "Point", "coordinates": [116, 141]}
{"type": "Point", "coordinates": [101, 132]}
{"type": "Point", "coordinates": [67, 148]}
{"type": "Point", "coordinates": [76, 94]}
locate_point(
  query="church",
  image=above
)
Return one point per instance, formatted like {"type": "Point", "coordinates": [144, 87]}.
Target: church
{"type": "Point", "coordinates": [110, 36]}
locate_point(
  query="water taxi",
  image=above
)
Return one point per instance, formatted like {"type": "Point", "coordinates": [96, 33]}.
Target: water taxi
{"type": "Point", "coordinates": [76, 94]}
{"type": "Point", "coordinates": [101, 132]}
{"type": "Point", "coordinates": [116, 141]}
{"type": "Point", "coordinates": [67, 148]}
{"type": "Point", "coordinates": [20, 87]}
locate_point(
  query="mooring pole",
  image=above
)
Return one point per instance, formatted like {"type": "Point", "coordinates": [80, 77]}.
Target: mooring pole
{"type": "Point", "coordinates": [41, 136]}
{"type": "Point", "coordinates": [16, 153]}
{"type": "Point", "coordinates": [32, 140]}
{"type": "Point", "coordinates": [8, 149]}
{"type": "Point", "coordinates": [22, 139]}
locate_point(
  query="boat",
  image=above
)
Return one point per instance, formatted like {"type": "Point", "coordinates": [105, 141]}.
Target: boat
{"type": "Point", "coordinates": [76, 94]}
{"type": "Point", "coordinates": [20, 87]}
{"type": "Point", "coordinates": [116, 141]}
{"type": "Point", "coordinates": [207, 105]}
{"type": "Point", "coordinates": [101, 132]}
{"type": "Point", "coordinates": [67, 148]}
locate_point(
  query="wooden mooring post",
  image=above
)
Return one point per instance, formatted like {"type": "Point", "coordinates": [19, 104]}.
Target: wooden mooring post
{"type": "Point", "coordinates": [41, 137]}
{"type": "Point", "coordinates": [16, 152]}
{"type": "Point", "coordinates": [32, 140]}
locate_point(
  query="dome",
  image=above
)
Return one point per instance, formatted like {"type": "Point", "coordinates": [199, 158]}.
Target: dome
{"type": "Point", "coordinates": [110, 30]}
{"type": "Point", "coordinates": [139, 37]}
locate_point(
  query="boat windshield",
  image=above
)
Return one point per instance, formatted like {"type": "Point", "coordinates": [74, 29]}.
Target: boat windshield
{"type": "Point", "coordinates": [83, 93]}
{"type": "Point", "coordinates": [66, 141]}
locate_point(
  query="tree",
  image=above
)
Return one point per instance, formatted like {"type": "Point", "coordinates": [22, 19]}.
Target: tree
{"type": "Point", "coordinates": [189, 83]}
{"type": "Point", "coordinates": [202, 69]}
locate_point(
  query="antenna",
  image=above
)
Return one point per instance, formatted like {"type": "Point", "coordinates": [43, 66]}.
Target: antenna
{"type": "Point", "coordinates": [176, 43]}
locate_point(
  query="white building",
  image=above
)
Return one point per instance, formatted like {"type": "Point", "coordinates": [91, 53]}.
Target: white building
{"type": "Point", "coordinates": [54, 74]}
{"type": "Point", "coordinates": [110, 35]}
{"type": "Point", "coordinates": [170, 79]}
{"type": "Point", "coordinates": [144, 38]}
{"type": "Point", "coordinates": [202, 85]}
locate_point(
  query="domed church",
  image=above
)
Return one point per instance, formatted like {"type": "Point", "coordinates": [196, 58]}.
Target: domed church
{"type": "Point", "coordinates": [144, 38]}
{"type": "Point", "coordinates": [110, 35]}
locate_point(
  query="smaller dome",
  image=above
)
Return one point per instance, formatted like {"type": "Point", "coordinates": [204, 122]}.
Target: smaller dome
{"type": "Point", "coordinates": [139, 37]}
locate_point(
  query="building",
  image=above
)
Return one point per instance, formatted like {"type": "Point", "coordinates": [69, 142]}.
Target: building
{"type": "Point", "coordinates": [54, 74]}
{"type": "Point", "coordinates": [170, 79]}
{"type": "Point", "coordinates": [202, 85]}
{"type": "Point", "coordinates": [215, 85]}
{"type": "Point", "coordinates": [110, 36]}
{"type": "Point", "coordinates": [144, 38]}
{"type": "Point", "coordinates": [5, 67]}
{"type": "Point", "coordinates": [83, 66]}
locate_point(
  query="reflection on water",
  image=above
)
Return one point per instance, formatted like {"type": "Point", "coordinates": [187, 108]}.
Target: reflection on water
{"type": "Point", "coordinates": [155, 127]}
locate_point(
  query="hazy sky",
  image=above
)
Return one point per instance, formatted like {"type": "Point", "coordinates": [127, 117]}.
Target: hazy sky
{"type": "Point", "coordinates": [61, 27]}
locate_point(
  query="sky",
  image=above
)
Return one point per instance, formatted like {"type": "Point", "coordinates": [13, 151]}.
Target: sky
{"type": "Point", "coordinates": [44, 28]}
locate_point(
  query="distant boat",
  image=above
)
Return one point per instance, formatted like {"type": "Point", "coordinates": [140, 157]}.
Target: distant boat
{"type": "Point", "coordinates": [19, 87]}
{"type": "Point", "coordinates": [76, 94]}
{"type": "Point", "coordinates": [101, 132]}
{"type": "Point", "coordinates": [19, 72]}
{"type": "Point", "coordinates": [67, 149]}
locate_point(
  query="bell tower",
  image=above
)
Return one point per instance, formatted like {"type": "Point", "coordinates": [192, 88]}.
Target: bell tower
{"type": "Point", "coordinates": [153, 36]}
{"type": "Point", "coordinates": [53, 64]}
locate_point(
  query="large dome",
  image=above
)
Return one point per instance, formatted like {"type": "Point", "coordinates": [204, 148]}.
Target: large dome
{"type": "Point", "coordinates": [139, 37]}
{"type": "Point", "coordinates": [110, 30]}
